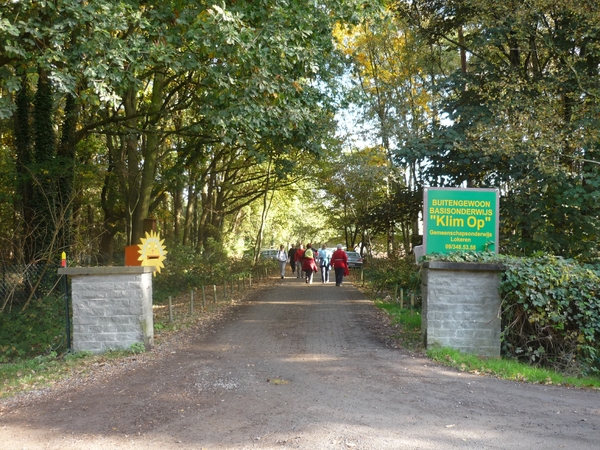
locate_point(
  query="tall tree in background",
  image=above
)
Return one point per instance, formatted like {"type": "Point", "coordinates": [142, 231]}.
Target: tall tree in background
{"type": "Point", "coordinates": [524, 115]}
{"type": "Point", "coordinates": [64, 49]}
{"type": "Point", "coordinates": [356, 185]}
{"type": "Point", "coordinates": [396, 73]}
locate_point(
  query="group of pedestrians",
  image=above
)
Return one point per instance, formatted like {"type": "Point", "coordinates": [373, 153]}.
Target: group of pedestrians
{"type": "Point", "coordinates": [305, 262]}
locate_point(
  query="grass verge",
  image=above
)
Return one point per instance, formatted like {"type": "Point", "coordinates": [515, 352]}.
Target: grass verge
{"type": "Point", "coordinates": [508, 369]}
{"type": "Point", "coordinates": [406, 323]}
{"type": "Point", "coordinates": [45, 370]}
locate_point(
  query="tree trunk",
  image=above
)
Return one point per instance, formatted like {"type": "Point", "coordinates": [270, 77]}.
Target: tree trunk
{"type": "Point", "coordinates": [23, 219]}
{"type": "Point", "coordinates": [189, 210]}
{"type": "Point", "coordinates": [177, 210]}
{"type": "Point", "coordinates": [106, 247]}
{"type": "Point", "coordinates": [462, 49]}
{"type": "Point", "coordinates": [263, 217]}
{"type": "Point", "coordinates": [110, 200]}
{"type": "Point", "coordinates": [44, 194]}
{"type": "Point", "coordinates": [141, 205]}
{"type": "Point", "coordinates": [66, 179]}
{"type": "Point", "coordinates": [207, 203]}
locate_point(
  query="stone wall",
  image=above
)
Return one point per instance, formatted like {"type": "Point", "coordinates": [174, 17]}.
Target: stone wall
{"type": "Point", "coordinates": [461, 307]}
{"type": "Point", "coordinates": [112, 307]}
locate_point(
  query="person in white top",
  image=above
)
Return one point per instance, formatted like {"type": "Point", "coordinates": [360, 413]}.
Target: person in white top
{"type": "Point", "coordinates": [282, 260]}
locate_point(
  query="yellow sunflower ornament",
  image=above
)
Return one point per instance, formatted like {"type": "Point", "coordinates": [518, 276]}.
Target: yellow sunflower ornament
{"type": "Point", "coordinates": [152, 251]}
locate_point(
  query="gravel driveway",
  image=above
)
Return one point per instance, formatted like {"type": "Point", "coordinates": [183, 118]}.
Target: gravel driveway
{"type": "Point", "coordinates": [297, 366]}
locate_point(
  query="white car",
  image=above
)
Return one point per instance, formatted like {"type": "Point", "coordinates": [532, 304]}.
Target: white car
{"type": "Point", "coordinates": [354, 259]}
{"type": "Point", "coordinates": [268, 254]}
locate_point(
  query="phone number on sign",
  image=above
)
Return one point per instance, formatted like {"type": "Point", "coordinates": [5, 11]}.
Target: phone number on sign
{"type": "Point", "coordinates": [460, 247]}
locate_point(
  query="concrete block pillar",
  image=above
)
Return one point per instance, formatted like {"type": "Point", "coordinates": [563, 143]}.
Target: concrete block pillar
{"type": "Point", "coordinates": [461, 307]}
{"type": "Point", "coordinates": [112, 307]}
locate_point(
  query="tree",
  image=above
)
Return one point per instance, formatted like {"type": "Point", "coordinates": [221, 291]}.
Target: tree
{"type": "Point", "coordinates": [65, 48]}
{"type": "Point", "coordinates": [396, 73]}
{"type": "Point", "coordinates": [243, 81]}
{"type": "Point", "coordinates": [356, 186]}
{"type": "Point", "coordinates": [523, 116]}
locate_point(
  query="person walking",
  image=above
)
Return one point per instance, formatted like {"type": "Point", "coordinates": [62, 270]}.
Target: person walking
{"type": "Point", "coordinates": [308, 263]}
{"type": "Point", "coordinates": [324, 260]}
{"type": "Point", "coordinates": [298, 259]}
{"type": "Point", "coordinates": [339, 262]}
{"type": "Point", "coordinates": [291, 254]}
{"type": "Point", "coordinates": [282, 260]}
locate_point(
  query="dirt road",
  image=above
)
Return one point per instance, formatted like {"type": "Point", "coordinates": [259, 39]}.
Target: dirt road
{"type": "Point", "coordinates": [296, 366]}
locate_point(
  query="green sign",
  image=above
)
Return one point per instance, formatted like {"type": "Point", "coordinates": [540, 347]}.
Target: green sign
{"type": "Point", "coordinates": [460, 220]}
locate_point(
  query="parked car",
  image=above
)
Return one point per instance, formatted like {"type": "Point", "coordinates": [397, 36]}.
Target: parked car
{"type": "Point", "coordinates": [354, 259]}
{"type": "Point", "coordinates": [268, 254]}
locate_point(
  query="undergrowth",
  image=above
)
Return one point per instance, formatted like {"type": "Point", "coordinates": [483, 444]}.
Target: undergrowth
{"type": "Point", "coordinates": [38, 330]}
{"type": "Point", "coordinates": [406, 322]}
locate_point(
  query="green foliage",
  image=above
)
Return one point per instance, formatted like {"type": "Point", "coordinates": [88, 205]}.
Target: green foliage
{"type": "Point", "coordinates": [213, 91]}
{"type": "Point", "coordinates": [136, 348]}
{"type": "Point", "coordinates": [393, 95]}
{"type": "Point", "coordinates": [356, 184]}
{"type": "Point", "coordinates": [385, 274]}
{"type": "Point", "coordinates": [188, 269]}
{"type": "Point", "coordinates": [76, 356]}
{"type": "Point", "coordinates": [38, 330]}
{"type": "Point", "coordinates": [481, 257]}
{"type": "Point", "coordinates": [22, 371]}
{"type": "Point", "coordinates": [551, 313]}
{"type": "Point", "coordinates": [522, 115]}
{"type": "Point", "coordinates": [406, 322]}
{"type": "Point", "coordinates": [23, 374]}
{"type": "Point", "coordinates": [407, 317]}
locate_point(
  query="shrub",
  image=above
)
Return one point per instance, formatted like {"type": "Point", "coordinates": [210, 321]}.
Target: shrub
{"type": "Point", "coordinates": [37, 330]}
{"type": "Point", "coordinates": [551, 313]}
{"type": "Point", "coordinates": [385, 274]}
{"type": "Point", "coordinates": [188, 269]}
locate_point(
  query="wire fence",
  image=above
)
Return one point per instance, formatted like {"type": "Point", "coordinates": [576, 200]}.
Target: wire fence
{"type": "Point", "coordinates": [20, 284]}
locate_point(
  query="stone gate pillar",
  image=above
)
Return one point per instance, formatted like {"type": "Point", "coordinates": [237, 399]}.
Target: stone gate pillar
{"type": "Point", "coordinates": [461, 306]}
{"type": "Point", "coordinates": [112, 307]}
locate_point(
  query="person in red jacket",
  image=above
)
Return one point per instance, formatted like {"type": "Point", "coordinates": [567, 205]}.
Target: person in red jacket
{"type": "Point", "coordinates": [339, 262]}
{"type": "Point", "coordinates": [308, 263]}
{"type": "Point", "coordinates": [298, 256]}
